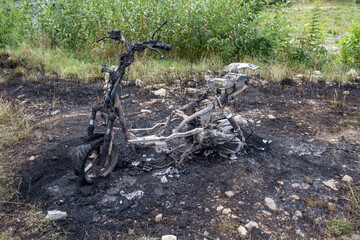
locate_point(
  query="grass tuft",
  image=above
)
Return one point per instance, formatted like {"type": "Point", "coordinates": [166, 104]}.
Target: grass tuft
{"type": "Point", "coordinates": [338, 226]}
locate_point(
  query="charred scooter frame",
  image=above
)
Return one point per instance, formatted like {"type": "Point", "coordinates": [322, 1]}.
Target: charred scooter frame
{"type": "Point", "coordinates": [204, 126]}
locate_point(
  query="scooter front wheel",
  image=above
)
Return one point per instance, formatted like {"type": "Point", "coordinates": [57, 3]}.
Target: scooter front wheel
{"type": "Point", "coordinates": [86, 160]}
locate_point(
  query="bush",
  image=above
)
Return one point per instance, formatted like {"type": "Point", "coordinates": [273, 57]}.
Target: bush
{"type": "Point", "coordinates": [195, 28]}
{"type": "Point", "coordinates": [350, 48]}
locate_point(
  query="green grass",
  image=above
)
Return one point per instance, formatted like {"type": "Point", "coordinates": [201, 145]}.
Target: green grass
{"type": "Point", "coordinates": [338, 226]}
{"type": "Point", "coordinates": [335, 17]}
{"type": "Point", "coordinates": [148, 68]}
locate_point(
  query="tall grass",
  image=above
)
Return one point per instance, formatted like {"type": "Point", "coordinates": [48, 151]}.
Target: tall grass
{"type": "Point", "coordinates": [230, 29]}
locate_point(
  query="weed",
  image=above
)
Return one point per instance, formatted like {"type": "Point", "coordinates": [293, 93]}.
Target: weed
{"type": "Point", "coordinates": [313, 202]}
{"type": "Point", "coordinates": [338, 226]}
{"type": "Point", "coordinates": [18, 72]}
{"type": "Point", "coordinates": [354, 196]}
{"type": "Point", "coordinates": [227, 227]}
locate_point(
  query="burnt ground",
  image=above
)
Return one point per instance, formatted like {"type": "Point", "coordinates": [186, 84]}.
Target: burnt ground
{"type": "Point", "coordinates": [309, 141]}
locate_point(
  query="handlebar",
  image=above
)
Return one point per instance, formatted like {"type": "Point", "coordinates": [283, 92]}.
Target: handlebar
{"type": "Point", "coordinates": [151, 44]}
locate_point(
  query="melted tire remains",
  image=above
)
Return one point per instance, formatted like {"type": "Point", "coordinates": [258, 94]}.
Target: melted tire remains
{"type": "Point", "coordinates": [86, 154]}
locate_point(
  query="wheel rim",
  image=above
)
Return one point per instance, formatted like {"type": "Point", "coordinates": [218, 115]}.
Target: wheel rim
{"type": "Point", "coordinates": [92, 169]}
{"type": "Point", "coordinates": [88, 172]}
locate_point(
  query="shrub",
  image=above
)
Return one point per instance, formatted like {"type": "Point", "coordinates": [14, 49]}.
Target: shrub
{"type": "Point", "coordinates": [350, 45]}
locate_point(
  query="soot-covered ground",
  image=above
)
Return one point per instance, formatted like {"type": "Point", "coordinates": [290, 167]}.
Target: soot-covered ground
{"type": "Point", "coordinates": [305, 142]}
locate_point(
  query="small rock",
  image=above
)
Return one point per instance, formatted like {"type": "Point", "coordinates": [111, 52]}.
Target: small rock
{"type": "Point", "coordinates": [298, 214]}
{"type": "Point", "coordinates": [280, 183]}
{"type": "Point", "coordinates": [55, 215]}
{"type": "Point", "coordinates": [331, 206]}
{"type": "Point", "coordinates": [219, 208]}
{"type": "Point", "coordinates": [317, 73]}
{"type": "Point", "coordinates": [50, 138]}
{"type": "Point", "coordinates": [266, 213]}
{"type": "Point", "coordinates": [242, 231]}
{"type": "Point", "coordinates": [158, 217]}
{"type": "Point", "coordinates": [251, 225]}
{"type": "Point", "coordinates": [294, 196]}
{"type": "Point", "coordinates": [163, 179]}
{"type": "Point", "coordinates": [32, 158]}
{"type": "Point", "coordinates": [271, 117]}
{"type": "Point", "coordinates": [55, 112]}
{"type": "Point", "coordinates": [161, 92]}
{"type": "Point", "coordinates": [299, 77]}
{"type": "Point", "coordinates": [169, 237]}
{"type": "Point", "coordinates": [191, 90]}
{"type": "Point", "coordinates": [270, 203]}
{"type": "Point", "coordinates": [229, 194]}
{"type": "Point", "coordinates": [257, 205]}
{"type": "Point", "coordinates": [331, 184]}
{"type": "Point", "coordinates": [139, 83]}
{"type": "Point", "coordinates": [145, 111]}
{"type": "Point", "coordinates": [303, 186]}
{"type": "Point", "coordinates": [299, 232]}
{"type": "Point", "coordinates": [226, 211]}
{"type": "Point", "coordinates": [347, 179]}
{"type": "Point", "coordinates": [207, 210]}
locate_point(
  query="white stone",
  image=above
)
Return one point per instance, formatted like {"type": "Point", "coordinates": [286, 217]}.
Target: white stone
{"type": "Point", "coordinates": [163, 179]}
{"type": "Point", "coordinates": [169, 237]}
{"type": "Point", "coordinates": [271, 117]}
{"type": "Point", "coordinates": [158, 217]}
{"type": "Point", "coordinates": [226, 211]}
{"type": "Point", "coordinates": [207, 210]}
{"type": "Point", "coordinates": [219, 208]}
{"type": "Point", "coordinates": [145, 111]}
{"type": "Point", "coordinates": [298, 214]}
{"type": "Point", "coordinates": [161, 92]}
{"type": "Point", "coordinates": [251, 225]}
{"type": "Point", "coordinates": [229, 194]}
{"type": "Point", "coordinates": [242, 231]}
{"type": "Point", "coordinates": [55, 215]}
{"type": "Point", "coordinates": [32, 158]}
{"type": "Point", "coordinates": [347, 178]}
{"type": "Point", "coordinates": [139, 83]}
{"type": "Point", "coordinates": [281, 183]}
{"type": "Point", "coordinates": [299, 76]}
{"type": "Point", "coordinates": [270, 203]}
{"type": "Point", "coordinates": [294, 196]}
{"type": "Point", "coordinates": [266, 213]}
{"type": "Point", "coordinates": [331, 184]}
{"type": "Point", "coordinates": [55, 112]}
{"type": "Point", "coordinates": [191, 90]}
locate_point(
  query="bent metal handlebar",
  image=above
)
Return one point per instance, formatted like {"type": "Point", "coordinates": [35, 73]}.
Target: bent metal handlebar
{"type": "Point", "coordinates": [151, 44]}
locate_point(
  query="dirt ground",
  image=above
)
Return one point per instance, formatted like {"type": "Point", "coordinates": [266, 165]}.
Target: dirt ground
{"type": "Point", "coordinates": [287, 158]}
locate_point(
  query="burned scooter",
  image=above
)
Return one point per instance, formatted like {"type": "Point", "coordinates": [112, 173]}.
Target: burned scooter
{"type": "Point", "coordinates": [199, 126]}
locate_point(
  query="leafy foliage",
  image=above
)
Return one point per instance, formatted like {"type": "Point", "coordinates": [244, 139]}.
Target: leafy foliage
{"type": "Point", "coordinates": [350, 49]}
{"type": "Point", "coordinates": [196, 29]}
{"type": "Point", "coordinates": [308, 47]}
